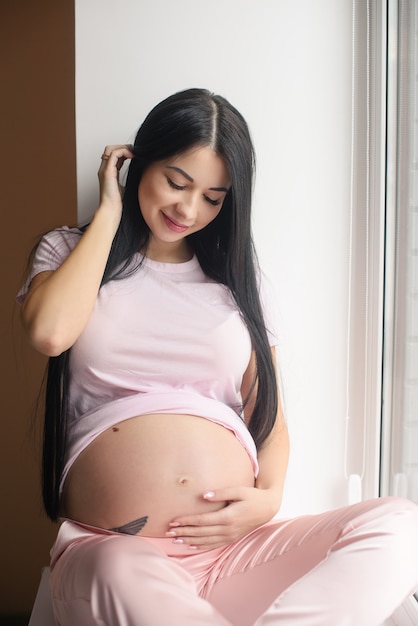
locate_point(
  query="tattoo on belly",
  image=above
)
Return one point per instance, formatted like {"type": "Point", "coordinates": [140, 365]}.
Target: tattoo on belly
{"type": "Point", "coordinates": [132, 528]}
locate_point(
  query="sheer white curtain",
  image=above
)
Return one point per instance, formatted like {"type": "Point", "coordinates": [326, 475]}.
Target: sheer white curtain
{"type": "Point", "coordinates": [400, 388]}
{"type": "Point", "coordinates": [366, 255]}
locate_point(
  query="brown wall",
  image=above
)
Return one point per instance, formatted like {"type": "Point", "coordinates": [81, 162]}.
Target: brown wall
{"type": "Point", "coordinates": [38, 191]}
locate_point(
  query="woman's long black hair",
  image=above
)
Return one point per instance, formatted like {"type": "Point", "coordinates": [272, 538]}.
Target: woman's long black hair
{"type": "Point", "coordinates": [225, 251]}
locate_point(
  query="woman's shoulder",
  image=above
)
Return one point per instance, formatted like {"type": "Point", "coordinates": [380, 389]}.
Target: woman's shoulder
{"type": "Point", "coordinates": [56, 245]}
{"type": "Point", "coordinates": [65, 237]}
{"type": "Point", "coordinates": [52, 249]}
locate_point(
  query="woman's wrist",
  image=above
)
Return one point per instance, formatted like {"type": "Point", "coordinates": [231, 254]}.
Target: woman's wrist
{"type": "Point", "coordinates": [273, 499]}
{"type": "Point", "coordinates": [106, 219]}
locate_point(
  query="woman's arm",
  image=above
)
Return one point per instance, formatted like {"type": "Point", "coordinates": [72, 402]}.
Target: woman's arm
{"type": "Point", "coordinates": [59, 303]}
{"type": "Point", "coordinates": [273, 457]}
{"type": "Point", "coordinates": [273, 460]}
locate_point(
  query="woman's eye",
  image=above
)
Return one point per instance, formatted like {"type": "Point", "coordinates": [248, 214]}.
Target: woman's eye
{"type": "Point", "coordinates": [212, 202]}
{"type": "Point", "coordinates": [173, 185]}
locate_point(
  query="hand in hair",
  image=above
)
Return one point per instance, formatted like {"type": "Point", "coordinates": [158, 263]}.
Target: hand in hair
{"type": "Point", "coordinates": [113, 158]}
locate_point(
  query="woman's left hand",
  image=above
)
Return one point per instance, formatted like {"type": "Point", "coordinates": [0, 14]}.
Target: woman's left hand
{"type": "Point", "coordinates": [246, 508]}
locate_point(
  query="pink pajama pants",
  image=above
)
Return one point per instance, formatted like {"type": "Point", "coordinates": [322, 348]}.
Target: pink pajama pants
{"type": "Point", "coordinates": [348, 567]}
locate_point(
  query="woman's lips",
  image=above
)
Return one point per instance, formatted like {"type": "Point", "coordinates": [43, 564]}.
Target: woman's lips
{"type": "Point", "coordinates": [173, 225]}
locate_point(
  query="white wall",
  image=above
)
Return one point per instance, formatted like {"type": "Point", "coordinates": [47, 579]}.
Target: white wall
{"type": "Point", "coordinates": [287, 66]}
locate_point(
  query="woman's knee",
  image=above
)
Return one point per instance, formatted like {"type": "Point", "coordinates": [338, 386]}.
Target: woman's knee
{"type": "Point", "coordinates": [389, 526]}
{"type": "Point", "coordinates": [98, 562]}
{"type": "Point", "coordinates": [398, 515]}
{"type": "Point", "coordinates": [117, 563]}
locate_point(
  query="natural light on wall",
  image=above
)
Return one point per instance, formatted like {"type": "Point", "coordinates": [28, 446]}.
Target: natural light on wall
{"type": "Point", "coordinates": [287, 67]}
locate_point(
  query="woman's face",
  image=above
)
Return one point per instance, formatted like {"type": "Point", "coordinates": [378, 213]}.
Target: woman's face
{"type": "Point", "coordinates": [180, 196]}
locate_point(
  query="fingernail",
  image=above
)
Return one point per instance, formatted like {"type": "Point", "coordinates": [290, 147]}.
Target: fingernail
{"type": "Point", "coordinates": [178, 541]}
{"type": "Point", "coordinates": [174, 524]}
{"type": "Point", "coordinates": [171, 533]}
{"type": "Point", "coordinates": [209, 494]}
{"type": "Point", "coordinates": [192, 547]}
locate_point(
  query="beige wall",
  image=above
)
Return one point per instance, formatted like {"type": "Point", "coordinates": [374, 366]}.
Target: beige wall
{"type": "Point", "coordinates": [38, 191]}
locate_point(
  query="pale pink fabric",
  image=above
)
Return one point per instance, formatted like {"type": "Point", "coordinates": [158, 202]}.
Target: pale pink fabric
{"type": "Point", "coordinates": [348, 567]}
{"type": "Point", "coordinates": [165, 339]}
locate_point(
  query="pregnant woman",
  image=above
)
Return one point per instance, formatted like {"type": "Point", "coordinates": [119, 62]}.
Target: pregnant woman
{"type": "Point", "coordinates": [165, 448]}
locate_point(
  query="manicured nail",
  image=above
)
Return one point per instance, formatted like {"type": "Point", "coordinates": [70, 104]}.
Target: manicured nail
{"type": "Point", "coordinates": [178, 541]}
{"type": "Point", "coordinates": [171, 533]}
{"type": "Point", "coordinates": [174, 524]}
{"type": "Point", "coordinates": [192, 547]}
{"type": "Point", "coordinates": [209, 494]}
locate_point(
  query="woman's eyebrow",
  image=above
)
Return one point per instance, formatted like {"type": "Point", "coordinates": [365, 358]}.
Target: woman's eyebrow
{"type": "Point", "coordinates": [190, 179]}
{"type": "Point", "coordinates": [180, 171]}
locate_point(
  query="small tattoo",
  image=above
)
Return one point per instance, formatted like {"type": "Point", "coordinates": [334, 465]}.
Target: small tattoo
{"type": "Point", "coordinates": [132, 528]}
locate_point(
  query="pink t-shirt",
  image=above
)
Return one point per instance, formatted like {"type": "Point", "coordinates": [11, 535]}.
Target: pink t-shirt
{"type": "Point", "coordinates": [166, 339]}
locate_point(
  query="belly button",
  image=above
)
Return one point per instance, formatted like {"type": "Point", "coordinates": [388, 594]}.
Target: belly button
{"type": "Point", "coordinates": [182, 481]}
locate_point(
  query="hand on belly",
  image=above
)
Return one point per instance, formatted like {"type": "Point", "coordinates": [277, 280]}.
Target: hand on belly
{"type": "Point", "coordinates": [246, 508]}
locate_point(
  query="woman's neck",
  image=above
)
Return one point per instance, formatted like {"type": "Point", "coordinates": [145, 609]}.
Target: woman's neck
{"type": "Point", "coordinates": [178, 252]}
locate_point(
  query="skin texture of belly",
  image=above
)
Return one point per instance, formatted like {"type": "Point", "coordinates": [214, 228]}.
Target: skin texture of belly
{"type": "Point", "coordinates": [145, 471]}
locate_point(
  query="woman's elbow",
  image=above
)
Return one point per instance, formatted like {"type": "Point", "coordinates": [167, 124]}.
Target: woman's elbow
{"type": "Point", "coordinates": [46, 340]}
{"type": "Point", "coordinates": [47, 344]}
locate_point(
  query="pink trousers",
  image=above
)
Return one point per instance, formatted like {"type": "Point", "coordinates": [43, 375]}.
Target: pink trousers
{"type": "Point", "coordinates": [349, 567]}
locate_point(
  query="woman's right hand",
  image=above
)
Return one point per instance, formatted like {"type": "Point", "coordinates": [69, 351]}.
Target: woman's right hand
{"type": "Point", "coordinates": [113, 158]}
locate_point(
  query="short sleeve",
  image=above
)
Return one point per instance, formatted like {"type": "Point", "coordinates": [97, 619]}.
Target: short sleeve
{"type": "Point", "coordinates": [52, 250]}
{"type": "Point", "coordinates": [269, 310]}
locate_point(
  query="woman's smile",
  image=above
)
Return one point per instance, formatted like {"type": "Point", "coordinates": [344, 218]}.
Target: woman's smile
{"type": "Point", "coordinates": [173, 225]}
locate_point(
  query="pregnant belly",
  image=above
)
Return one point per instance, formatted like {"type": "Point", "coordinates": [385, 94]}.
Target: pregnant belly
{"type": "Point", "coordinates": [154, 468]}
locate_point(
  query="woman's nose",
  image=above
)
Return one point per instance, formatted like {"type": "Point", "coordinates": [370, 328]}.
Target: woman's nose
{"type": "Point", "coordinates": [188, 207]}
